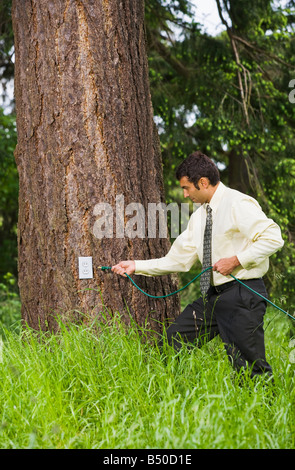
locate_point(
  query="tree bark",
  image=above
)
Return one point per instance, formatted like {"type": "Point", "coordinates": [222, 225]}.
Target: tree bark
{"type": "Point", "coordinates": [85, 136]}
{"type": "Point", "coordinates": [238, 176]}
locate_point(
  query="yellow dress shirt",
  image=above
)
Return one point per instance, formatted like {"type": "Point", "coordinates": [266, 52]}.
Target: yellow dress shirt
{"type": "Point", "coordinates": [240, 228]}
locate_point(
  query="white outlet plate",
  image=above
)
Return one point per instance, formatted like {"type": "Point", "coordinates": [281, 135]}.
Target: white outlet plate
{"type": "Point", "coordinates": [85, 267]}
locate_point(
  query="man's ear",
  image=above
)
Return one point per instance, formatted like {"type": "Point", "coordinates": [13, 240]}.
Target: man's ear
{"type": "Point", "coordinates": [204, 182]}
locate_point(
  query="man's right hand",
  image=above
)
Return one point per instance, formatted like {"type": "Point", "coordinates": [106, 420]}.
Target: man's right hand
{"type": "Point", "coordinates": [124, 267]}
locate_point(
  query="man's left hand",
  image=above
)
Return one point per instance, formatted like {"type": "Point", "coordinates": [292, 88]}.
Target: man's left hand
{"type": "Point", "coordinates": [225, 266]}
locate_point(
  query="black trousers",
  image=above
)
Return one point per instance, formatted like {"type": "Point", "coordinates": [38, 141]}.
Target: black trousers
{"type": "Point", "coordinates": [233, 312]}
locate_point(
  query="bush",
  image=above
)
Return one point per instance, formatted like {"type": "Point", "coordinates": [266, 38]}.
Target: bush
{"type": "Point", "coordinates": [10, 306]}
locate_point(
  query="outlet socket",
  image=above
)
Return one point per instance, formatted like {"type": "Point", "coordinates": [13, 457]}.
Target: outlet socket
{"type": "Point", "coordinates": [85, 267]}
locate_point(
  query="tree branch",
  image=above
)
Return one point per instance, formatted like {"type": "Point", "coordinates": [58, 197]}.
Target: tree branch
{"type": "Point", "coordinates": [245, 96]}
{"type": "Point", "coordinates": [262, 51]}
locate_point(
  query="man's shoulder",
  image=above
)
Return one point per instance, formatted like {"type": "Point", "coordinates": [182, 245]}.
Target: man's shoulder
{"type": "Point", "coordinates": [237, 197]}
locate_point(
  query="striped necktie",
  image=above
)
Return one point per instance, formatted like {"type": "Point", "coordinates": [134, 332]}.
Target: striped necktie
{"type": "Point", "coordinates": [206, 277]}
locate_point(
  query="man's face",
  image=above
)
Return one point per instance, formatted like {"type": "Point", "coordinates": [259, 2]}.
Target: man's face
{"type": "Point", "coordinates": [198, 196]}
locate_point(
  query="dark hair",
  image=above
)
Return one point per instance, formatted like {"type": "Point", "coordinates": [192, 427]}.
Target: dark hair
{"type": "Point", "coordinates": [197, 165]}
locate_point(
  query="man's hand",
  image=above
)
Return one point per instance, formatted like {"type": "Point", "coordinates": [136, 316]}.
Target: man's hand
{"type": "Point", "coordinates": [124, 267]}
{"type": "Point", "coordinates": [225, 266]}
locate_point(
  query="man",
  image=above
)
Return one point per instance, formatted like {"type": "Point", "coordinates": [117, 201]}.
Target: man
{"type": "Point", "coordinates": [229, 232]}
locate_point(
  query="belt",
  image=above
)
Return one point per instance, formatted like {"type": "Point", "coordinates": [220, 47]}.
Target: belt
{"type": "Point", "coordinates": [224, 286]}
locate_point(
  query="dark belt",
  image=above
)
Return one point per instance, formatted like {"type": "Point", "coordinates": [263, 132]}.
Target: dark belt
{"type": "Point", "coordinates": [222, 287]}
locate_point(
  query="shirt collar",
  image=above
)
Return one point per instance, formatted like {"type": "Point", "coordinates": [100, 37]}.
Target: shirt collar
{"type": "Point", "coordinates": [217, 196]}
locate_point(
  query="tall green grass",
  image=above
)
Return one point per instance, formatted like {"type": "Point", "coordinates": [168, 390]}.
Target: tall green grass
{"type": "Point", "coordinates": [104, 385]}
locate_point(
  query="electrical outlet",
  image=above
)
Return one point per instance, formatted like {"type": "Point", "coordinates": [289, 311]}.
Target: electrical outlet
{"type": "Point", "coordinates": [85, 267]}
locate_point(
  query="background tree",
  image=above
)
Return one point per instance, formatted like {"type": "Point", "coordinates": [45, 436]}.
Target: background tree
{"type": "Point", "coordinates": [85, 135]}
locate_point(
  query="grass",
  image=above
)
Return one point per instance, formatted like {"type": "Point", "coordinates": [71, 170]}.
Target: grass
{"type": "Point", "coordinates": [105, 386]}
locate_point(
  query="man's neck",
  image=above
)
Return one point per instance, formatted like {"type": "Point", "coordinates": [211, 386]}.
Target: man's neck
{"type": "Point", "coordinates": [211, 191]}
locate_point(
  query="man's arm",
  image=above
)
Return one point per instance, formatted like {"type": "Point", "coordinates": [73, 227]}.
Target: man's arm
{"type": "Point", "coordinates": [180, 258]}
{"type": "Point", "coordinates": [264, 237]}
{"type": "Point", "coordinates": [264, 234]}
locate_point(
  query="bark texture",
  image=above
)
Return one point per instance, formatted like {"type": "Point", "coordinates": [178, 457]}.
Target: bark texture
{"type": "Point", "coordinates": [85, 135]}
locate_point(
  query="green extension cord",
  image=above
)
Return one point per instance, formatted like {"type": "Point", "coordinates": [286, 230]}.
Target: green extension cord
{"type": "Point", "coordinates": [105, 268]}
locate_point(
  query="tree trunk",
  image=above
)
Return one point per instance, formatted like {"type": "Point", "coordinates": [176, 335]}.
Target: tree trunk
{"type": "Point", "coordinates": [238, 174]}
{"type": "Point", "coordinates": [85, 137]}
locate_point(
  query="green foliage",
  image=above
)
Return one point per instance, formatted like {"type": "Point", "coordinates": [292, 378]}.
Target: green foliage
{"type": "Point", "coordinates": [8, 196]}
{"type": "Point", "coordinates": [8, 171]}
{"type": "Point", "coordinates": [282, 205]}
{"type": "Point", "coordinates": [6, 42]}
{"type": "Point", "coordinates": [10, 306]}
